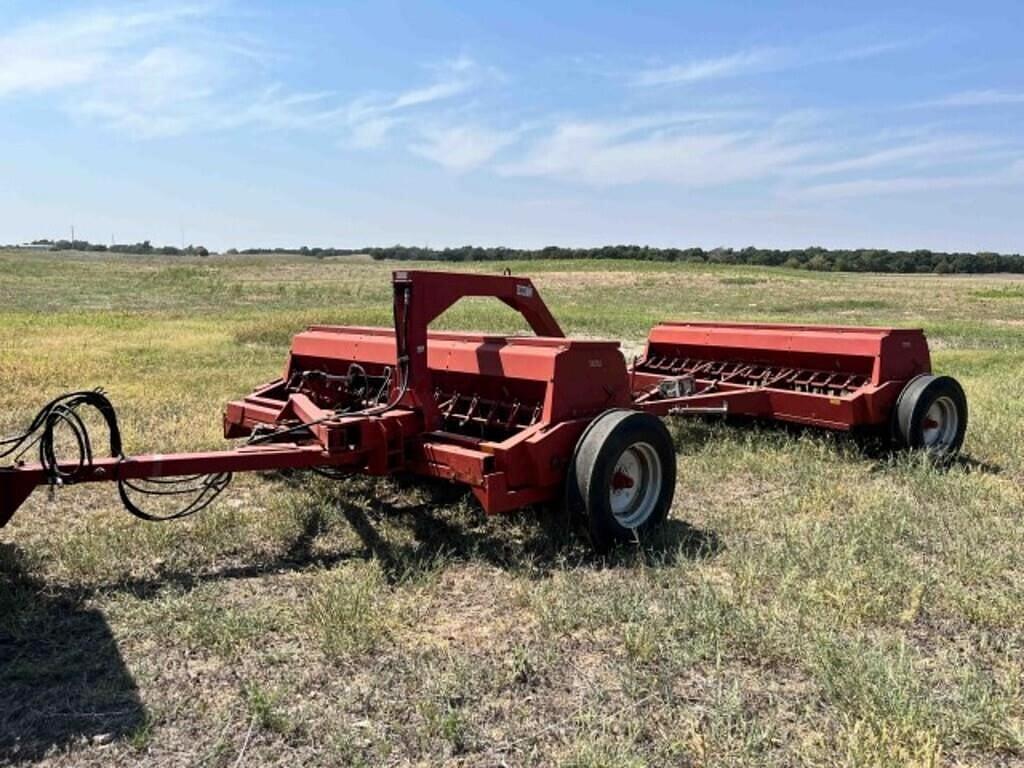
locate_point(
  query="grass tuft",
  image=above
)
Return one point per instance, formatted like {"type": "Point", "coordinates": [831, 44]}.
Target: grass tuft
{"type": "Point", "coordinates": [350, 611]}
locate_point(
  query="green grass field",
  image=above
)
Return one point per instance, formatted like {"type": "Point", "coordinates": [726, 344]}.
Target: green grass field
{"type": "Point", "coordinates": [809, 603]}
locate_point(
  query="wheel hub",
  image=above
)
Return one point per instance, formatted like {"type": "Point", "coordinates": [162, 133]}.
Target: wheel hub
{"type": "Point", "coordinates": [621, 481]}
{"type": "Point", "coordinates": [940, 423]}
{"type": "Point", "coordinates": [635, 485]}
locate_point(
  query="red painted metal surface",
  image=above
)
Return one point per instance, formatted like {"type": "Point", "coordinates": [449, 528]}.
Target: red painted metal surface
{"type": "Point", "coordinates": [836, 377]}
{"type": "Point", "coordinates": [503, 414]}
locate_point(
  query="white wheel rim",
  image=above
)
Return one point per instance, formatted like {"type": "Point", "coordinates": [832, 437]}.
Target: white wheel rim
{"type": "Point", "coordinates": [940, 423]}
{"type": "Point", "coordinates": [635, 485]}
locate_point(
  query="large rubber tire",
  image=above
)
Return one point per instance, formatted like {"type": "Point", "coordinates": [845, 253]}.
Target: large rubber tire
{"type": "Point", "coordinates": [625, 474]}
{"type": "Point", "coordinates": [931, 415]}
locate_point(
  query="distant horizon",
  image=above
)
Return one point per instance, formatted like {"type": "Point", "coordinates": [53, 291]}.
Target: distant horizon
{"type": "Point", "coordinates": [454, 244]}
{"type": "Point", "coordinates": [369, 249]}
{"type": "Point", "coordinates": [445, 122]}
{"type": "Point", "coordinates": [681, 247]}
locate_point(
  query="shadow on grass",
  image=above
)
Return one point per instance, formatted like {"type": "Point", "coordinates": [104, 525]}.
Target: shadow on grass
{"type": "Point", "coordinates": [536, 542]}
{"type": "Point", "coordinates": [975, 465]}
{"type": "Point", "coordinates": [447, 527]}
{"type": "Point", "coordinates": [62, 678]}
{"type": "Point", "coordinates": [694, 433]}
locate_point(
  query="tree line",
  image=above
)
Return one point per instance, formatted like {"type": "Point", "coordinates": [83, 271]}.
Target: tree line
{"type": "Point", "coordinates": [144, 248]}
{"type": "Point", "coordinates": [814, 258]}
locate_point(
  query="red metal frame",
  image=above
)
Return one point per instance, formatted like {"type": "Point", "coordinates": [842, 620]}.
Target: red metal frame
{"type": "Point", "coordinates": [503, 414]}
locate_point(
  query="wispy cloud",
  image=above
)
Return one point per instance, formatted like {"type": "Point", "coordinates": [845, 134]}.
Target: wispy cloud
{"type": "Point", "coordinates": [371, 118]}
{"type": "Point", "coordinates": [983, 98]}
{"type": "Point", "coordinates": [799, 155]}
{"type": "Point", "coordinates": [462, 147]}
{"type": "Point", "coordinates": [162, 71]}
{"type": "Point", "coordinates": [149, 71]}
{"type": "Point", "coordinates": [923, 151]}
{"type": "Point", "coordinates": [436, 92]}
{"type": "Point", "coordinates": [158, 94]}
{"type": "Point", "coordinates": [869, 50]}
{"type": "Point", "coordinates": [369, 132]}
{"type": "Point", "coordinates": [756, 61]}
{"type": "Point", "coordinates": [928, 164]}
{"type": "Point", "coordinates": [740, 63]}
{"type": "Point", "coordinates": [659, 149]}
{"type": "Point", "coordinates": [80, 47]}
{"type": "Point", "coordinates": [873, 187]}
{"type": "Point", "coordinates": [276, 107]}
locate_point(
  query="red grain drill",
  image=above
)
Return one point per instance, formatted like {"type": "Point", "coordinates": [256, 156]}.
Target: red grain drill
{"type": "Point", "coordinates": [520, 420]}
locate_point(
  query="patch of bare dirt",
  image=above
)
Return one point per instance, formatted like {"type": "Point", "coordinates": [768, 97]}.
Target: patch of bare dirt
{"type": "Point", "coordinates": [473, 607]}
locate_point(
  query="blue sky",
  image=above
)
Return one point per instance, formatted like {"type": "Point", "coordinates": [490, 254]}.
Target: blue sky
{"type": "Point", "coordinates": [529, 123]}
